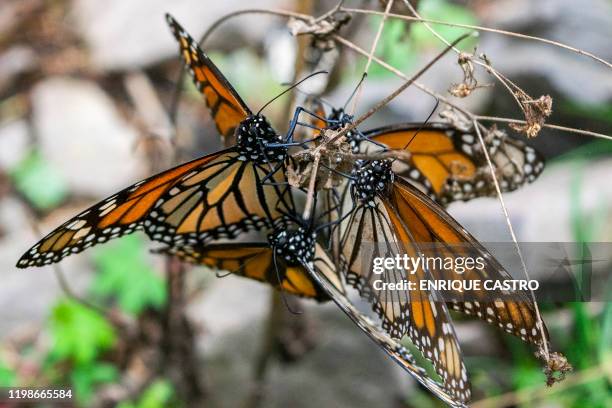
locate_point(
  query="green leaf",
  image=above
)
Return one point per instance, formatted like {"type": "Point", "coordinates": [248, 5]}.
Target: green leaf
{"type": "Point", "coordinates": [39, 181]}
{"type": "Point", "coordinates": [78, 333]}
{"type": "Point", "coordinates": [394, 47]}
{"type": "Point", "coordinates": [8, 377]}
{"type": "Point", "coordinates": [86, 377]}
{"type": "Point", "coordinates": [588, 151]}
{"type": "Point", "coordinates": [605, 343]}
{"type": "Point", "coordinates": [595, 111]}
{"type": "Point", "coordinates": [126, 276]}
{"type": "Point", "coordinates": [157, 395]}
{"type": "Point", "coordinates": [524, 376]}
{"type": "Point", "coordinates": [444, 11]}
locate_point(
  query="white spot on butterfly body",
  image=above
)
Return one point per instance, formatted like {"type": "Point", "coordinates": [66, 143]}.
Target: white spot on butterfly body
{"type": "Point", "coordinates": [468, 138]}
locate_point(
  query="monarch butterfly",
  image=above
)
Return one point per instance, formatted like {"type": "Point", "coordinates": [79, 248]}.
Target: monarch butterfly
{"type": "Point", "coordinates": [227, 108]}
{"type": "Point", "coordinates": [392, 212]}
{"type": "Point", "coordinates": [215, 196]}
{"type": "Point", "coordinates": [389, 345]}
{"type": "Point", "coordinates": [377, 228]}
{"type": "Point", "coordinates": [293, 261]}
{"type": "Point", "coordinates": [278, 261]}
{"type": "Point", "coordinates": [446, 161]}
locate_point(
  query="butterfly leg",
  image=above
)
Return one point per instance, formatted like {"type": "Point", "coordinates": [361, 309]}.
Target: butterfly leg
{"type": "Point", "coordinates": [295, 121]}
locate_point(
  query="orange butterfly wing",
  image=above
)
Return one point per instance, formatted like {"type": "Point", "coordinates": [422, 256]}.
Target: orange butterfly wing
{"type": "Point", "coordinates": [227, 107]}
{"type": "Point", "coordinates": [392, 347]}
{"type": "Point", "coordinates": [515, 314]}
{"type": "Point", "coordinates": [113, 217]}
{"type": "Point", "coordinates": [380, 232]}
{"type": "Point", "coordinates": [255, 261]}
{"type": "Point", "coordinates": [219, 199]}
{"type": "Point", "coordinates": [217, 195]}
{"type": "Point", "coordinates": [448, 164]}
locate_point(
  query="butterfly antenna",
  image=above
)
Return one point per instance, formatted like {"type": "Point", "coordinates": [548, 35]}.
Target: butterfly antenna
{"type": "Point", "coordinates": [420, 127]}
{"type": "Point", "coordinates": [315, 97]}
{"type": "Point", "coordinates": [222, 274]}
{"type": "Point", "coordinates": [290, 88]}
{"type": "Point", "coordinates": [280, 284]}
{"type": "Point", "coordinates": [424, 123]}
{"type": "Point", "coordinates": [363, 77]}
{"type": "Point", "coordinates": [399, 90]}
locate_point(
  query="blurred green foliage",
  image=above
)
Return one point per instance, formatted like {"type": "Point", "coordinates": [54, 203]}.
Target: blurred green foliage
{"type": "Point", "coordinates": [600, 112]}
{"type": "Point", "coordinates": [7, 375]}
{"type": "Point", "coordinates": [585, 153]}
{"type": "Point", "coordinates": [158, 395]}
{"type": "Point", "coordinates": [442, 10]}
{"type": "Point", "coordinates": [78, 333]}
{"type": "Point", "coordinates": [40, 183]}
{"type": "Point", "coordinates": [79, 337]}
{"type": "Point", "coordinates": [395, 47]}
{"type": "Point", "coordinates": [402, 44]}
{"type": "Point", "coordinates": [86, 377]}
{"type": "Point", "coordinates": [124, 275]}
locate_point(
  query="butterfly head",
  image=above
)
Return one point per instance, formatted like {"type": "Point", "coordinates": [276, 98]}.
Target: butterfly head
{"type": "Point", "coordinates": [371, 178]}
{"type": "Point", "coordinates": [258, 141]}
{"type": "Point", "coordinates": [340, 119]}
{"type": "Point", "coordinates": [295, 245]}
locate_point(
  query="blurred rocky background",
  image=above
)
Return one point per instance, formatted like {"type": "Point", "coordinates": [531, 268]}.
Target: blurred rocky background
{"type": "Point", "coordinates": [86, 89]}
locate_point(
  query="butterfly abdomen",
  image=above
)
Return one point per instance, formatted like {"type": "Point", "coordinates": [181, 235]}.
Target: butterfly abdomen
{"type": "Point", "coordinates": [370, 179]}
{"type": "Point", "coordinates": [294, 247]}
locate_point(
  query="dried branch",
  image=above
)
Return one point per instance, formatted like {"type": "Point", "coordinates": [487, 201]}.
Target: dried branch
{"type": "Point", "coordinates": [540, 323]}
{"type": "Point", "coordinates": [487, 29]}
{"type": "Point", "coordinates": [372, 51]}
{"type": "Point", "coordinates": [448, 102]}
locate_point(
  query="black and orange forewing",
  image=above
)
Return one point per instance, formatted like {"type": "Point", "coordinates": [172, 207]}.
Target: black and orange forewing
{"type": "Point", "coordinates": [448, 163]}
{"type": "Point", "coordinates": [118, 215]}
{"type": "Point", "coordinates": [226, 106]}
{"type": "Point", "coordinates": [255, 261]}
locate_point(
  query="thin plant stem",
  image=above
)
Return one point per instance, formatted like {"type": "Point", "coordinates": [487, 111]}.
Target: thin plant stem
{"type": "Point", "coordinates": [409, 81]}
{"type": "Point", "coordinates": [446, 101]}
{"type": "Point", "coordinates": [308, 207]}
{"type": "Point", "coordinates": [513, 235]}
{"type": "Point", "coordinates": [487, 29]}
{"type": "Point", "coordinates": [546, 125]}
{"type": "Point", "coordinates": [372, 51]}
{"type": "Point", "coordinates": [532, 394]}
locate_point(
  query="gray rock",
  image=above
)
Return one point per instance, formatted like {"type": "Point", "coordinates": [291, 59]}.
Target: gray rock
{"type": "Point", "coordinates": [26, 296]}
{"type": "Point", "coordinates": [81, 134]}
{"type": "Point", "coordinates": [127, 35]}
{"type": "Point", "coordinates": [228, 305]}
{"type": "Point", "coordinates": [581, 24]}
{"type": "Point", "coordinates": [584, 25]}
{"type": "Point", "coordinates": [13, 143]}
{"type": "Point", "coordinates": [233, 312]}
{"type": "Point", "coordinates": [14, 61]}
{"type": "Point", "coordinates": [541, 213]}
